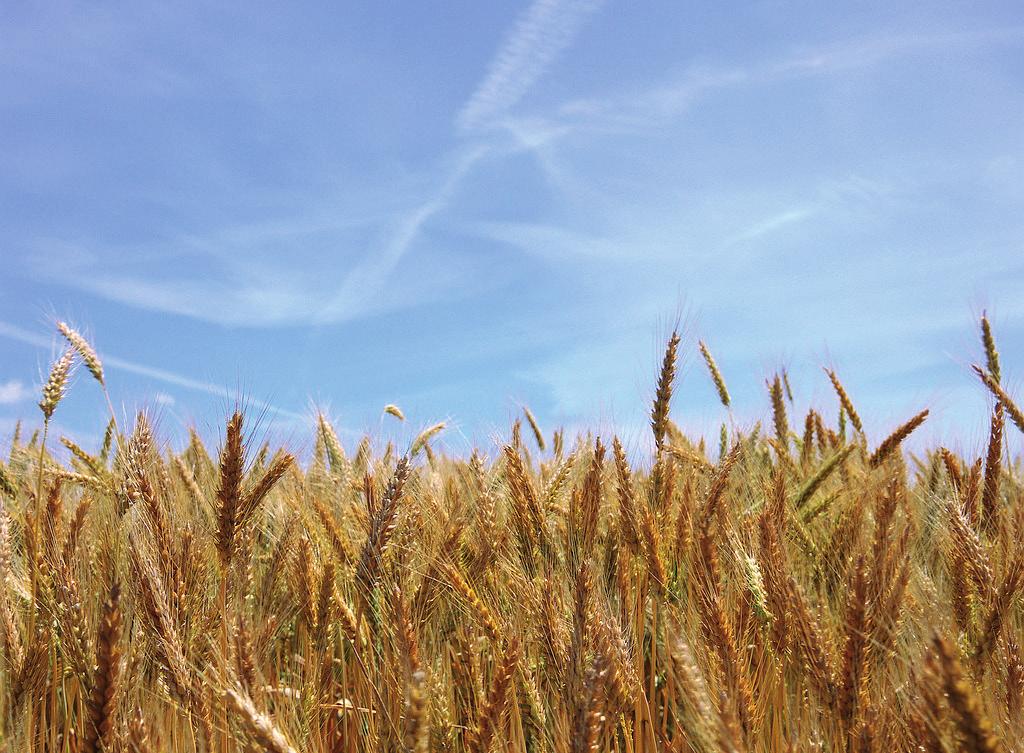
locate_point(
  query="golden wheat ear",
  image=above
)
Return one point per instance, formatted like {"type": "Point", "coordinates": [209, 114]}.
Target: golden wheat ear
{"type": "Point", "coordinates": [492, 713]}
{"type": "Point", "coordinates": [422, 440]}
{"type": "Point", "coordinates": [382, 528]}
{"type": "Point", "coordinates": [716, 375]}
{"type": "Point", "coordinates": [894, 440]}
{"type": "Point", "coordinates": [393, 410]}
{"type": "Point", "coordinates": [844, 401]}
{"type": "Point", "coordinates": [417, 714]}
{"type": "Point", "coordinates": [973, 725]}
{"type": "Point", "coordinates": [990, 506]}
{"type": "Point", "coordinates": [1016, 415]}
{"type": "Point", "coordinates": [663, 393]}
{"type": "Point", "coordinates": [229, 489]}
{"type": "Point", "coordinates": [988, 341]}
{"type": "Point", "coordinates": [538, 435]}
{"type": "Point", "coordinates": [56, 383]}
{"type": "Point", "coordinates": [780, 420]}
{"type": "Point", "coordinates": [259, 727]}
{"type": "Point", "coordinates": [106, 677]}
{"type": "Point", "coordinates": [85, 351]}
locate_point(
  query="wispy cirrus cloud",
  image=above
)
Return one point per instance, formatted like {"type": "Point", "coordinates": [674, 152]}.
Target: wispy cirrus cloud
{"type": "Point", "coordinates": [539, 36]}
{"type": "Point", "coordinates": [666, 100]}
{"type": "Point", "coordinates": [674, 234]}
{"type": "Point", "coordinates": [617, 229]}
{"type": "Point", "coordinates": [361, 289]}
{"type": "Point", "coordinates": [13, 332]}
{"type": "Point", "coordinates": [240, 289]}
{"type": "Point", "coordinates": [775, 222]}
{"type": "Point", "coordinates": [224, 300]}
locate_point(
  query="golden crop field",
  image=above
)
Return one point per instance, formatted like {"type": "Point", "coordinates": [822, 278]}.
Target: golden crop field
{"type": "Point", "coordinates": [801, 590]}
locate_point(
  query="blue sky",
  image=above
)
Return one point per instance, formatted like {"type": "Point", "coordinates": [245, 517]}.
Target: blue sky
{"type": "Point", "coordinates": [462, 207]}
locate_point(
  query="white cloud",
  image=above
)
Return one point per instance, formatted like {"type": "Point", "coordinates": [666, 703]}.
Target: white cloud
{"type": "Point", "coordinates": [14, 391]}
{"type": "Point", "coordinates": [542, 32]}
{"type": "Point", "coordinates": [162, 398]}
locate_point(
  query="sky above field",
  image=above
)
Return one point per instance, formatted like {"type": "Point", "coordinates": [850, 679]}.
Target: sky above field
{"type": "Point", "coordinates": [464, 207]}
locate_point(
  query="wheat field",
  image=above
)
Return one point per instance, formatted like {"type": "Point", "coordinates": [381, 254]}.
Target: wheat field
{"type": "Point", "coordinates": [794, 589]}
